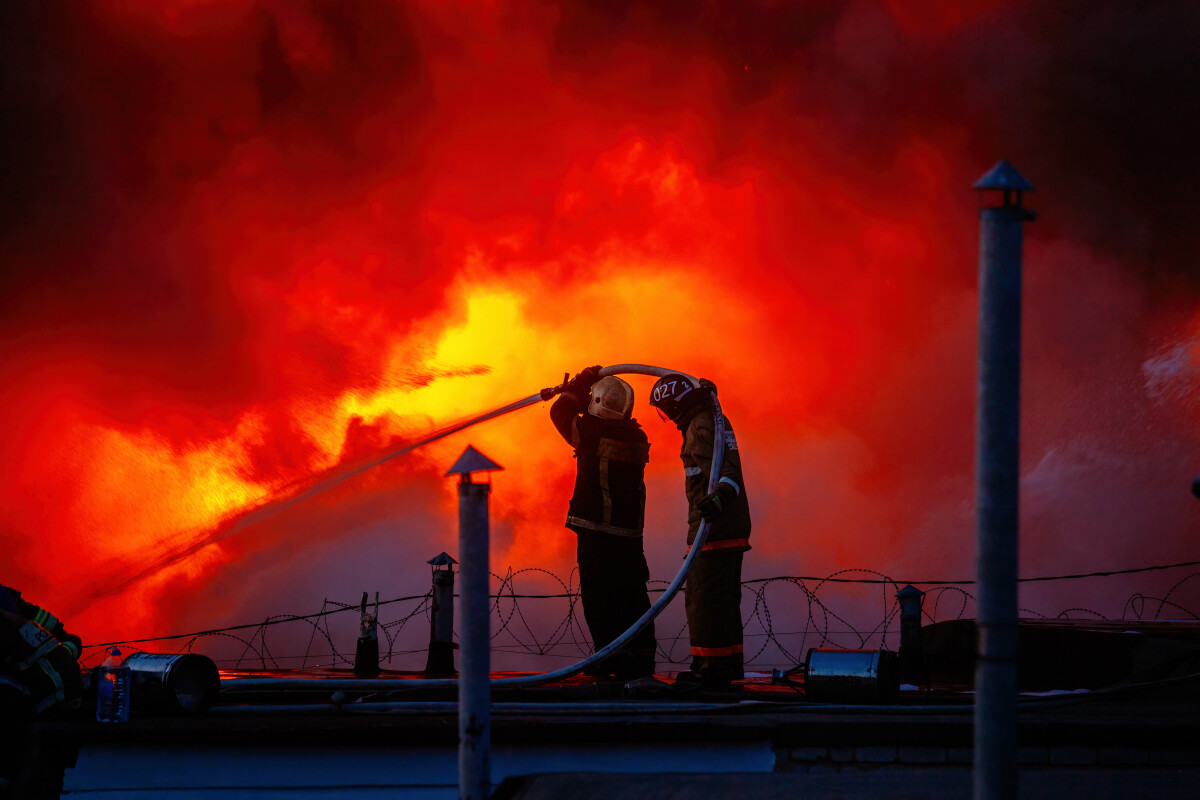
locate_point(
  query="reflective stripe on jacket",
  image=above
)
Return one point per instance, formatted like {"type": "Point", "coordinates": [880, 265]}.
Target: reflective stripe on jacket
{"type": "Point", "coordinates": [22, 607]}
{"type": "Point", "coordinates": [32, 659]}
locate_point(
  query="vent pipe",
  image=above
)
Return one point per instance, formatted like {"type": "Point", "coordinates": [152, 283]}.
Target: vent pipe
{"type": "Point", "coordinates": [998, 414]}
{"type": "Point", "coordinates": [474, 686]}
{"type": "Point", "coordinates": [441, 621]}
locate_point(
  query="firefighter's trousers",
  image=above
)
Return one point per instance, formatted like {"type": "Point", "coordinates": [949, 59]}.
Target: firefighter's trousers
{"type": "Point", "coordinates": [714, 613]}
{"type": "Point", "coordinates": [612, 585]}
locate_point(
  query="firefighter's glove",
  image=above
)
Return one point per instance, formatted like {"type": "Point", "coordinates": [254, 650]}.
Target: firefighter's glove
{"type": "Point", "coordinates": [73, 644]}
{"type": "Point", "coordinates": [581, 384]}
{"type": "Point", "coordinates": [717, 503]}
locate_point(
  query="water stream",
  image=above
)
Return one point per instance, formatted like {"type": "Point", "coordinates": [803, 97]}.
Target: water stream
{"type": "Point", "coordinates": [176, 547]}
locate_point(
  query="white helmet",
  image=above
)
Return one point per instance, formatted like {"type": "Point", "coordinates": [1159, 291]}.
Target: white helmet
{"type": "Point", "coordinates": [612, 398]}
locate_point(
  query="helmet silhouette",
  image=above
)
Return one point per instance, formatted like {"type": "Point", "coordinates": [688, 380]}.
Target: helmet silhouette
{"type": "Point", "coordinates": [673, 395]}
{"type": "Point", "coordinates": [612, 398]}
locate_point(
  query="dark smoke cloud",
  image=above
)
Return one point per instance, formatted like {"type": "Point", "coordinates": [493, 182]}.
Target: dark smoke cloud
{"type": "Point", "coordinates": [1109, 115]}
{"type": "Point", "coordinates": [115, 122]}
{"type": "Point", "coordinates": [1095, 101]}
{"type": "Point", "coordinates": [119, 130]}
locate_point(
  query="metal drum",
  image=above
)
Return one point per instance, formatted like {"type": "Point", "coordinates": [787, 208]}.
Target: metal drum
{"type": "Point", "coordinates": [183, 683]}
{"type": "Point", "coordinates": [851, 676]}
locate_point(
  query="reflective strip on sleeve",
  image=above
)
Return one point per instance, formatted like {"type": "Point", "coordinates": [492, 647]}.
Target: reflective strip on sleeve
{"type": "Point", "coordinates": [580, 522]}
{"type": "Point", "coordinates": [60, 693]}
{"type": "Point", "coordinates": [722, 544]}
{"type": "Point", "coordinates": [732, 483]}
{"type": "Point", "coordinates": [732, 649]}
{"type": "Point", "coordinates": [691, 472]}
{"type": "Point", "coordinates": [38, 654]}
{"type": "Point", "coordinates": [45, 619]}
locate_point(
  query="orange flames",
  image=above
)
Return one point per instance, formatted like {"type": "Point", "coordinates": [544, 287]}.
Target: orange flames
{"type": "Point", "coordinates": [311, 232]}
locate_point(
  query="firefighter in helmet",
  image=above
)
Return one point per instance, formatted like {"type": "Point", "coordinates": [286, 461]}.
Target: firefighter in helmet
{"type": "Point", "coordinates": [39, 660]}
{"type": "Point", "coordinates": [714, 585]}
{"type": "Point", "coordinates": [39, 675]}
{"type": "Point", "coordinates": [607, 514]}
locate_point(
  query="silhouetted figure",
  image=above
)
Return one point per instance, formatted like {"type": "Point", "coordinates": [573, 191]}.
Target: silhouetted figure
{"type": "Point", "coordinates": [607, 513]}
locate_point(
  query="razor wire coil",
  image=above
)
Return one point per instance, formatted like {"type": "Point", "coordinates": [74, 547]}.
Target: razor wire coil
{"type": "Point", "coordinates": [517, 631]}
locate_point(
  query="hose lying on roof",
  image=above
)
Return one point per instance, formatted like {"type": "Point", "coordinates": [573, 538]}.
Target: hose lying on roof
{"type": "Point", "coordinates": [565, 672]}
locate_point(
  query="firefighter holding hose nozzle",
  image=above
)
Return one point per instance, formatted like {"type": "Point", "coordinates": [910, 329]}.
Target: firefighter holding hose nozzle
{"type": "Point", "coordinates": [714, 586]}
{"type": "Point", "coordinates": [607, 513]}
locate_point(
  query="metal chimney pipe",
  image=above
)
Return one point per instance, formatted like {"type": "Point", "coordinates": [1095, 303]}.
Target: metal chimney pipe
{"type": "Point", "coordinates": [998, 412]}
{"type": "Point", "coordinates": [912, 650]}
{"type": "Point", "coordinates": [366, 654]}
{"type": "Point", "coordinates": [474, 685]}
{"type": "Point", "coordinates": [441, 623]}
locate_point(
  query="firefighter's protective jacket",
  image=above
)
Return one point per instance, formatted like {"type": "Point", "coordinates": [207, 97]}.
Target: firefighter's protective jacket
{"type": "Point", "coordinates": [731, 531]}
{"type": "Point", "coordinates": [610, 488]}
{"type": "Point", "coordinates": [19, 605]}
{"type": "Point", "coordinates": [38, 658]}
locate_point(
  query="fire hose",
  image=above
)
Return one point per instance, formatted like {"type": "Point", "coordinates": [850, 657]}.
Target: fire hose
{"type": "Point", "coordinates": [564, 672]}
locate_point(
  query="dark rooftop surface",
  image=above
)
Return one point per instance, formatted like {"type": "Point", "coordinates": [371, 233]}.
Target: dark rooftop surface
{"type": "Point", "coordinates": [1097, 698]}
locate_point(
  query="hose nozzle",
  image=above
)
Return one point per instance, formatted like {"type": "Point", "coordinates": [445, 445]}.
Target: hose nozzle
{"type": "Point", "coordinates": [550, 391]}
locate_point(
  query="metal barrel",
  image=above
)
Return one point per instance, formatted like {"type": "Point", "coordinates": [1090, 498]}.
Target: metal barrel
{"type": "Point", "coordinates": [851, 676]}
{"type": "Point", "coordinates": [180, 683]}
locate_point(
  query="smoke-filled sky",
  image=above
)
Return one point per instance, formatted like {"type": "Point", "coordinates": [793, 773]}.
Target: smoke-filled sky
{"type": "Point", "coordinates": [245, 241]}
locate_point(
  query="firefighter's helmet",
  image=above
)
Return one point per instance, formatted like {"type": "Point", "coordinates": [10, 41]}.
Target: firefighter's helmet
{"type": "Point", "coordinates": [673, 395]}
{"type": "Point", "coordinates": [612, 398]}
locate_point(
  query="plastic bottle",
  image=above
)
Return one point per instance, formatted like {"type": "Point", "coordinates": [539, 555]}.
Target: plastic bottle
{"type": "Point", "coordinates": [113, 681]}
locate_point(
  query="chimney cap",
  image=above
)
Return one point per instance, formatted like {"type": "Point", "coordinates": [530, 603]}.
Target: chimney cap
{"type": "Point", "coordinates": [472, 460]}
{"type": "Point", "coordinates": [1003, 176]}
{"type": "Point", "coordinates": [909, 591]}
{"type": "Point", "coordinates": [442, 559]}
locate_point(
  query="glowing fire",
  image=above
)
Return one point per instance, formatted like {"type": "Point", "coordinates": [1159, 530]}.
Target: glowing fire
{"type": "Point", "coordinates": [297, 235]}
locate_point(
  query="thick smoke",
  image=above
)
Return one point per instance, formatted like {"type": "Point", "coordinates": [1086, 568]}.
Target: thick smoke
{"type": "Point", "coordinates": [244, 241]}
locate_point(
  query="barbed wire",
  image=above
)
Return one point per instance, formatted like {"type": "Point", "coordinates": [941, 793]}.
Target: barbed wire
{"type": "Point", "coordinates": [521, 632]}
